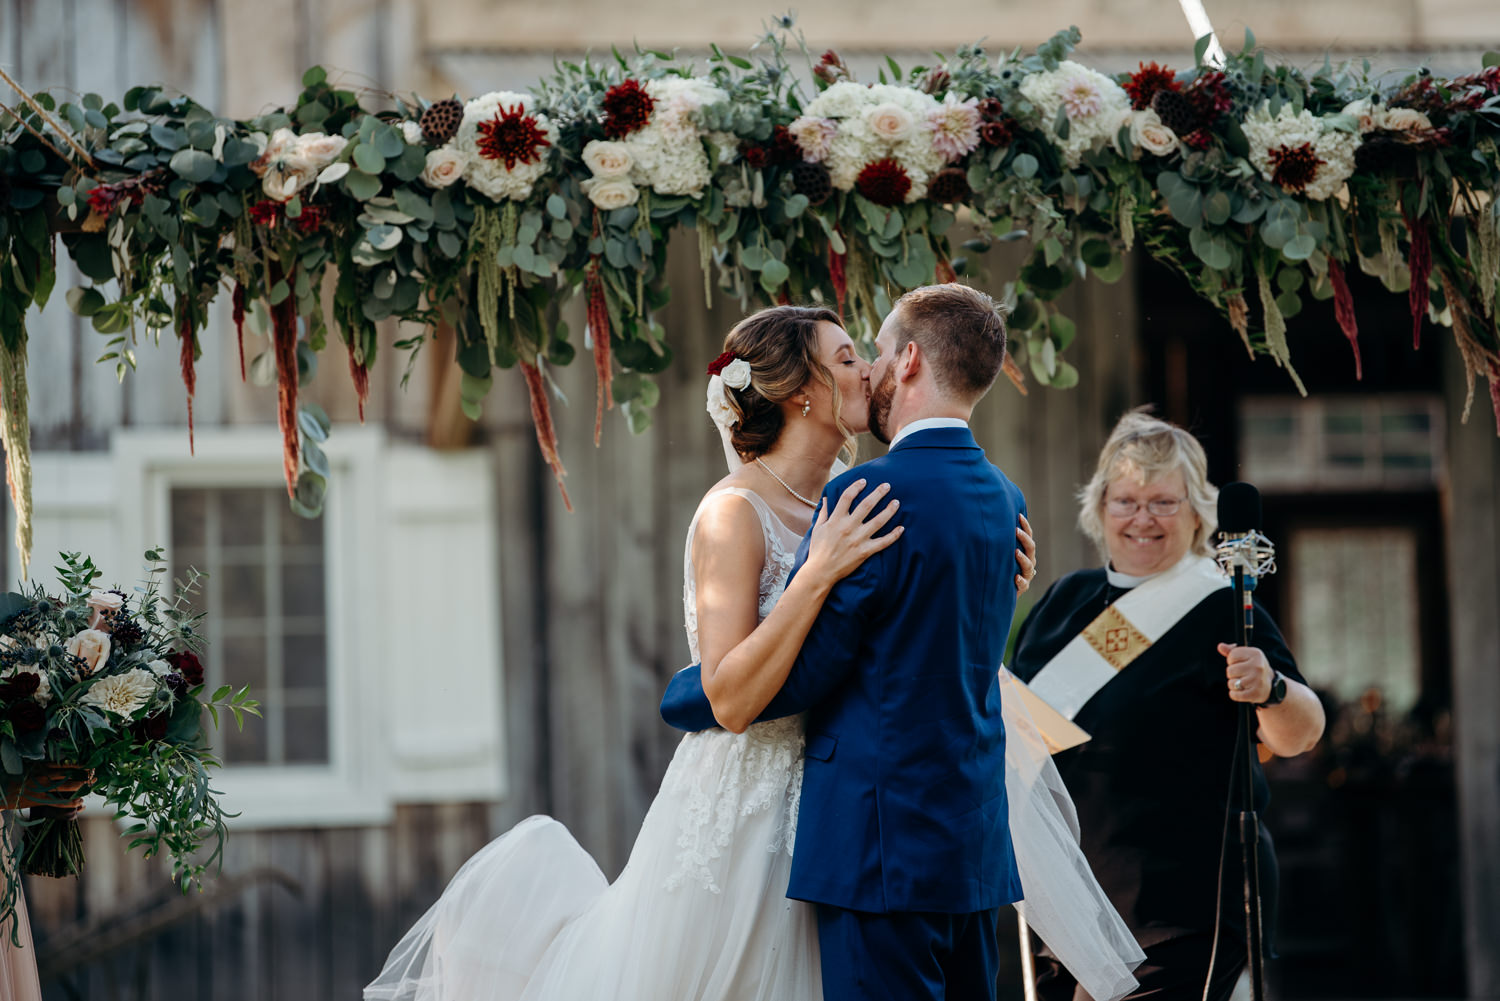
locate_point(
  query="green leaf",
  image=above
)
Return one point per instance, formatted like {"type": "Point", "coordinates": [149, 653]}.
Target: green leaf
{"type": "Point", "coordinates": [557, 207]}
{"type": "Point", "coordinates": [1066, 376]}
{"type": "Point", "coordinates": [314, 458]}
{"type": "Point", "coordinates": [362, 185]}
{"type": "Point", "coordinates": [368, 159]}
{"type": "Point", "coordinates": [193, 165]}
{"type": "Point", "coordinates": [774, 275]}
{"type": "Point", "coordinates": [1063, 331]}
{"type": "Point", "coordinates": [1217, 208]}
{"type": "Point", "coordinates": [1024, 165]}
{"type": "Point", "coordinates": [1299, 248]}
{"type": "Point", "coordinates": [85, 301]}
{"type": "Point", "coordinates": [1200, 48]}
{"type": "Point", "coordinates": [314, 77]}
{"type": "Point", "coordinates": [1491, 58]}
{"type": "Point", "coordinates": [311, 427]}
{"type": "Point", "coordinates": [389, 142]}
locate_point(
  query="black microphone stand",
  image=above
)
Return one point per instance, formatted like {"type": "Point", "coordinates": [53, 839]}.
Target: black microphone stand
{"type": "Point", "coordinates": [1249, 821]}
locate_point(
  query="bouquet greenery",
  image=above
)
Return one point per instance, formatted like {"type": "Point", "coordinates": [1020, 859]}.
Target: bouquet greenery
{"type": "Point", "coordinates": [109, 685]}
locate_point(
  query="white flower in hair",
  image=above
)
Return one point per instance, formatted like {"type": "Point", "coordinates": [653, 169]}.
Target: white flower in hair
{"type": "Point", "coordinates": [719, 408]}
{"type": "Point", "coordinates": [736, 374]}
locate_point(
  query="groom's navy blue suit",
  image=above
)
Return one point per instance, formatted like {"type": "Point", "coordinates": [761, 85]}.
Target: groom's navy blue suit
{"type": "Point", "coordinates": [903, 838]}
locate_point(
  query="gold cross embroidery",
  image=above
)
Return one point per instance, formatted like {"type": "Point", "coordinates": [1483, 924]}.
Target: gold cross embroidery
{"type": "Point", "coordinates": [1115, 639]}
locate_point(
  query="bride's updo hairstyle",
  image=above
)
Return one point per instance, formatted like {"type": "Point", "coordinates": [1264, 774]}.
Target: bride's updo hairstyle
{"type": "Point", "coordinates": [780, 344]}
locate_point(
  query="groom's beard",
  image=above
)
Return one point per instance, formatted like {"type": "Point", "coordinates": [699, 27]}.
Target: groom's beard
{"type": "Point", "coordinates": [881, 398]}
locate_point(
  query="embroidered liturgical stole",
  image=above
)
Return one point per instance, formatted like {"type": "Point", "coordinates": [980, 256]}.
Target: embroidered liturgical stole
{"type": "Point", "coordinates": [1124, 631]}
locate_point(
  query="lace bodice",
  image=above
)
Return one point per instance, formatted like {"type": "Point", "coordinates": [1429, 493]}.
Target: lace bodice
{"type": "Point", "coordinates": [781, 551]}
{"type": "Point", "coordinates": [719, 780]}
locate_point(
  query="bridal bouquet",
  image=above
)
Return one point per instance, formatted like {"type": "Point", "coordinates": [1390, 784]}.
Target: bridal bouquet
{"type": "Point", "coordinates": [106, 683]}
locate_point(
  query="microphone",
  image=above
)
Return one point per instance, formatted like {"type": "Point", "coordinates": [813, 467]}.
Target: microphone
{"type": "Point", "coordinates": [1241, 545]}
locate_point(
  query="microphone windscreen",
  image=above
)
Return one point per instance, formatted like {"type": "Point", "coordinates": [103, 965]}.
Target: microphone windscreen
{"type": "Point", "coordinates": [1239, 508]}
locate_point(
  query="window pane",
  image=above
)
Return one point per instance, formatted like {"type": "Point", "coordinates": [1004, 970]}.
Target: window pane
{"type": "Point", "coordinates": [242, 589]}
{"type": "Point", "coordinates": [304, 663]}
{"type": "Point", "coordinates": [242, 516]}
{"type": "Point", "coordinates": [243, 747]}
{"type": "Point", "coordinates": [302, 590]}
{"type": "Point", "coordinates": [244, 661]}
{"type": "Point", "coordinates": [297, 531]}
{"type": "Point", "coordinates": [188, 516]}
{"type": "Point", "coordinates": [307, 734]}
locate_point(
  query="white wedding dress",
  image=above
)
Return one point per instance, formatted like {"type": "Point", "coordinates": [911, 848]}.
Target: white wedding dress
{"type": "Point", "coordinates": [700, 911]}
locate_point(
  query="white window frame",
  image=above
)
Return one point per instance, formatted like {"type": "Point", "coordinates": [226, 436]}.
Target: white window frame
{"type": "Point", "coordinates": [415, 700]}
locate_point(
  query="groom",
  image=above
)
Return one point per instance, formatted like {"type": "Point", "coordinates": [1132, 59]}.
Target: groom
{"type": "Point", "coordinates": [902, 839]}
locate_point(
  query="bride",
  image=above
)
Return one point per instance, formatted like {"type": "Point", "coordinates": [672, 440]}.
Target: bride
{"type": "Point", "coordinates": [700, 911]}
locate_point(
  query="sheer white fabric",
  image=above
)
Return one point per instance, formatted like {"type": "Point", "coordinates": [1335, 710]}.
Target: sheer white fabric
{"type": "Point", "coordinates": [700, 911]}
{"type": "Point", "coordinates": [1064, 903]}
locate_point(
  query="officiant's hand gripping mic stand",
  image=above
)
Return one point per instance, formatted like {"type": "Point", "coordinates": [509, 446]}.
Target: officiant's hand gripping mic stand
{"type": "Point", "coordinates": [1246, 555]}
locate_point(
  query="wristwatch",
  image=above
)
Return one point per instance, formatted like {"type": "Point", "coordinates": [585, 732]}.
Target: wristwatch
{"type": "Point", "coordinates": [1278, 692]}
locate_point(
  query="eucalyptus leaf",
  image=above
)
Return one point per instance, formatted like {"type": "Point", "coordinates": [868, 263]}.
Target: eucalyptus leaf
{"type": "Point", "coordinates": [193, 165]}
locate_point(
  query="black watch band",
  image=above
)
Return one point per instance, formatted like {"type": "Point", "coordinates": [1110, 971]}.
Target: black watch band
{"type": "Point", "coordinates": [1278, 692]}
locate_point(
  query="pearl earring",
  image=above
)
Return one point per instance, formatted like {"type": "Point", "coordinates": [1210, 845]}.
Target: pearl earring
{"type": "Point", "coordinates": [806, 406]}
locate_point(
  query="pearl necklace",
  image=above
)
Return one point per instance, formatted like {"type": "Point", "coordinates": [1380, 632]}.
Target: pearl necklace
{"type": "Point", "coordinates": [811, 504]}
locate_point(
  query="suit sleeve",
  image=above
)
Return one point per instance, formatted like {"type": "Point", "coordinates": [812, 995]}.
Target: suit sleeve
{"type": "Point", "coordinates": [684, 706]}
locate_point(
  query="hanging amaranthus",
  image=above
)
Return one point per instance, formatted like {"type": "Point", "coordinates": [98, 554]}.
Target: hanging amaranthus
{"type": "Point", "coordinates": [944, 272]}
{"type": "Point", "coordinates": [598, 320]}
{"type": "Point", "coordinates": [837, 278]}
{"type": "Point", "coordinates": [238, 301]}
{"type": "Point", "coordinates": [15, 433]}
{"type": "Point", "coordinates": [1419, 262]}
{"type": "Point", "coordinates": [186, 359]}
{"type": "Point", "coordinates": [360, 373]}
{"type": "Point", "coordinates": [284, 346]}
{"type": "Point", "coordinates": [1276, 328]}
{"type": "Point", "coordinates": [1014, 374]}
{"type": "Point", "coordinates": [546, 432]}
{"type": "Point", "coordinates": [1239, 319]}
{"type": "Point", "coordinates": [1343, 311]}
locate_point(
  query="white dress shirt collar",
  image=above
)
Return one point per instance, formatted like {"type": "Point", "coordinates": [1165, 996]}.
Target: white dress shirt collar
{"type": "Point", "coordinates": [927, 424]}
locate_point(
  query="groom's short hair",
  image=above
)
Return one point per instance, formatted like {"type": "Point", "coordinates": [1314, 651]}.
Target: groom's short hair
{"type": "Point", "coordinates": [961, 332]}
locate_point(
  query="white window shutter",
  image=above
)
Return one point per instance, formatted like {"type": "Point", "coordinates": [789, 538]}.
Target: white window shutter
{"type": "Point", "coordinates": [441, 622]}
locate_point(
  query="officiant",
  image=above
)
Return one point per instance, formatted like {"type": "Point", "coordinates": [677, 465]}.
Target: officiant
{"type": "Point", "coordinates": [1139, 654]}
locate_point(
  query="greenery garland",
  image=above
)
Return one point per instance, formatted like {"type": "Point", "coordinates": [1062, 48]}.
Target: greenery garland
{"type": "Point", "coordinates": [1261, 184]}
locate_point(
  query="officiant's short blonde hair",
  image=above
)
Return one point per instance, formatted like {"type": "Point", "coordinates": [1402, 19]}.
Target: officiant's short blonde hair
{"type": "Point", "coordinates": [1149, 448]}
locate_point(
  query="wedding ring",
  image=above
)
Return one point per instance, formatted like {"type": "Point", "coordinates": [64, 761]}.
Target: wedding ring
{"type": "Point", "coordinates": [1239, 685]}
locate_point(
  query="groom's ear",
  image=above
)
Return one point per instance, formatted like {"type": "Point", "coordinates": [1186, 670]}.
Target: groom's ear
{"type": "Point", "coordinates": [909, 362]}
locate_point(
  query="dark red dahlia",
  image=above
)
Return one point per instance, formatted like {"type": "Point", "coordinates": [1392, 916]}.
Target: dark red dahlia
{"type": "Point", "coordinates": [312, 218]}
{"type": "Point", "coordinates": [1146, 82]}
{"type": "Point", "coordinates": [188, 665]}
{"type": "Point", "coordinates": [991, 109]}
{"type": "Point", "coordinates": [26, 717]}
{"type": "Point", "coordinates": [996, 133]}
{"type": "Point", "coordinates": [720, 363]}
{"type": "Point", "coordinates": [756, 156]}
{"type": "Point", "coordinates": [153, 727]}
{"type": "Point", "coordinates": [1295, 167]}
{"type": "Point", "coordinates": [19, 686]}
{"type": "Point", "coordinates": [949, 185]}
{"type": "Point", "coordinates": [627, 107]}
{"type": "Point", "coordinates": [513, 136]}
{"type": "Point", "coordinates": [784, 148]}
{"type": "Point", "coordinates": [266, 213]}
{"type": "Point", "coordinates": [1211, 96]}
{"type": "Point", "coordinates": [884, 182]}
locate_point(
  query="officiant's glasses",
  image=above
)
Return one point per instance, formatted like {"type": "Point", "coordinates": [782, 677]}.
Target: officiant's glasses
{"type": "Point", "coordinates": [1124, 507]}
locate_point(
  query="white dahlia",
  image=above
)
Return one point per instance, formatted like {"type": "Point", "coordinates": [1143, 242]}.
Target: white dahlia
{"type": "Point", "coordinates": [1299, 152]}
{"type": "Point", "coordinates": [122, 694]}
{"type": "Point", "coordinates": [1094, 104]}
{"type": "Point", "coordinates": [505, 144]}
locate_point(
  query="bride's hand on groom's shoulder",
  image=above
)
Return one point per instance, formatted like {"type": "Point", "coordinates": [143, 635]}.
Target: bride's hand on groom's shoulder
{"type": "Point", "coordinates": [1025, 556]}
{"type": "Point", "coordinates": [845, 537]}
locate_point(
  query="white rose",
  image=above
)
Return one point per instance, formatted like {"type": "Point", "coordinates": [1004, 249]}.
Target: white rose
{"type": "Point", "coordinates": [412, 132]}
{"type": "Point", "coordinates": [92, 645]}
{"type": "Point", "coordinates": [288, 175]}
{"type": "Point", "coordinates": [319, 148]}
{"type": "Point", "coordinates": [890, 122]}
{"type": "Point", "coordinates": [719, 408]}
{"type": "Point", "coordinates": [444, 166]}
{"type": "Point", "coordinates": [280, 141]}
{"type": "Point", "coordinates": [736, 374]}
{"type": "Point", "coordinates": [1406, 120]}
{"type": "Point", "coordinates": [160, 668]}
{"type": "Point", "coordinates": [1148, 133]}
{"type": "Point", "coordinates": [608, 159]}
{"type": "Point", "coordinates": [611, 193]}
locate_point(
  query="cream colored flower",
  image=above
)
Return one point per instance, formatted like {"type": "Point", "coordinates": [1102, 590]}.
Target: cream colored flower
{"type": "Point", "coordinates": [611, 193]}
{"type": "Point", "coordinates": [92, 646]}
{"type": "Point", "coordinates": [411, 132]}
{"type": "Point", "coordinates": [444, 166]}
{"type": "Point", "coordinates": [1406, 120]}
{"type": "Point", "coordinates": [103, 603]}
{"type": "Point", "coordinates": [813, 136]}
{"type": "Point", "coordinates": [890, 122]}
{"type": "Point", "coordinates": [1148, 133]}
{"type": "Point", "coordinates": [719, 408]}
{"type": "Point", "coordinates": [122, 694]}
{"type": "Point", "coordinates": [319, 148]}
{"type": "Point", "coordinates": [608, 159]}
{"type": "Point", "coordinates": [736, 374]}
{"type": "Point", "coordinates": [1370, 116]}
{"type": "Point", "coordinates": [160, 668]}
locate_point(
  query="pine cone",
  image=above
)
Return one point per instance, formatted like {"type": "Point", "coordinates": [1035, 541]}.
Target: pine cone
{"type": "Point", "coordinates": [949, 185]}
{"type": "Point", "coordinates": [812, 180]}
{"type": "Point", "coordinates": [440, 121]}
{"type": "Point", "coordinates": [1175, 111]}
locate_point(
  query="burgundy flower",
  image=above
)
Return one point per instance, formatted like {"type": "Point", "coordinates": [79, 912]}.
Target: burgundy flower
{"type": "Point", "coordinates": [784, 148]}
{"type": "Point", "coordinates": [991, 109]}
{"type": "Point", "coordinates": [26, 717]}
{"type": "Point", "coordinates": [312, 218]}
{"type": "Point", "coordinates": [266, 213]}
{"type": "Point", "coordinates": [188, 665]}
{"type": "Point", "coordinates": [153, 727]}
{"type": "Point", "coordinates": [884, 182]}
{"type": "Point", "coordinates": [720, 363]}
{"type": "Point", "coordinates": [1145, 82]}
{"type": "Point", "coordinates": [949, 185]}
{"type": "Point", "coordinates": [19, 686]}
{"type": "Point", "coordinates": [1295, 166]}
{"type": "Point", "coordinates": [831, 68]}
{"type": "Point", "coordinates": [1197, 139]}
{"type": "Point", "coordinates": [627, 107]}
{"type": "Point", "coordinates": [1211, 96]}
{"type": "Point", "coordinates": [997, 133]}
{"type": "Point", "coordinates": [756, 156]}
{"type": "Point", "coordinates": [513, 136]}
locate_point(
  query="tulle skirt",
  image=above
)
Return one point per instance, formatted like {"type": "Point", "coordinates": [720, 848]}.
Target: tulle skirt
{"type": "Point", "coordinates": [700, 911]}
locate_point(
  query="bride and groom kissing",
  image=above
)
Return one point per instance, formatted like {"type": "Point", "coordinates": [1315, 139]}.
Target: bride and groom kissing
{"type": "Point", "coordinates": [840, 820]}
